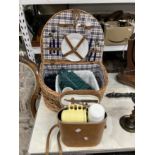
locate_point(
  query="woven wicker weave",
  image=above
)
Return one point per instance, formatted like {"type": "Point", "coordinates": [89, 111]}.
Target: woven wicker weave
{"type": "Point", "coordinates": [53, 60]}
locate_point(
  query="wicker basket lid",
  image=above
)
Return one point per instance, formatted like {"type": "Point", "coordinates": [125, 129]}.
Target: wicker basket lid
{"type": "Point", "coordinates": [66, 22]}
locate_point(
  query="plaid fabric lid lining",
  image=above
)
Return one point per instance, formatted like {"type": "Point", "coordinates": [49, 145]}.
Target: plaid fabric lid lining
{"type": "Point", "coordinates": [66, 17]}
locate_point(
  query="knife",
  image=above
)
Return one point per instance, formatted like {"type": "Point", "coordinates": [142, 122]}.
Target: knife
{"type": "Point", "coordinates": [90, 44]}
{"type": "Point", "coordinates": [50, 46]}
{"type": "Point", "coordinates": [57, 42]}
{"type": "Point", "coordinates": [53, 45]}
{"type": "Point", "coordinates": [77, 101]}
{"type": "Point", "coordinates": [91, 53]}
{"type": "Point", "coordinates": [94, 56]}
{"type": "Point", "coordinates": [96, 44]}
{"type": "Point", "coordinates": [53, 31]}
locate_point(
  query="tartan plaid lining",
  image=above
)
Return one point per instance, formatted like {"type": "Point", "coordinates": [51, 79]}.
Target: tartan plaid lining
{"type": "Point", "coordinates": [65, 17]}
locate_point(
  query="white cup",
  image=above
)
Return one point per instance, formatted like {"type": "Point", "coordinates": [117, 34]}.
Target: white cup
{"type": "Point", "coordinates": [96, 113]}
{"type": "Point", "coordinates": [67, 89]}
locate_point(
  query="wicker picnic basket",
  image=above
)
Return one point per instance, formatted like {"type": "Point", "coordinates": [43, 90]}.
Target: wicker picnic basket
{"type": "Point", "coordinates": [59, 26]}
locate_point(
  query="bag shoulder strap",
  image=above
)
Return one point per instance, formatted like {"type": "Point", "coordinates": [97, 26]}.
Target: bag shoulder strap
{"type": "Point", "coordinates": [48, 139]}
{"type": "Point", "coordinates": [59, 144]}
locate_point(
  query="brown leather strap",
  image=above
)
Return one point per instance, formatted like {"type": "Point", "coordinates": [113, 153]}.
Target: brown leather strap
{"type": "Point", "coordinates": [59, 144]}
{"type": "Point", "coordinates": [76, 16]}
{"type": "Point", "coordinates": [69, 43]}
{"type": "Point", "coordinates": [48, 139]}
{"type": "Point", "coordinates": [78, 54]}
{"type": "Point", "coordinates": [88, 27]}
{"type": "Point", "coordinates": [74, 50]}
{"type": "Point", "coordinates": [52, 48]}
{"type": "Point", "coordinates": [68, 53]}
{"type": "Point", "coordinates": [76, 13]}
{"type": "Point", "coordinates": [72, 25]}
{"type": "Point", "coordinates": [65, 25]}
{"type": "Point", "coordinates": [80, 42]}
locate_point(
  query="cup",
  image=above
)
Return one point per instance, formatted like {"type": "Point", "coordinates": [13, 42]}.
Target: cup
{"type": "Point", "coordinates": [74, 113]}
{"type": "Point", "coordinates": [96, 113]}
{"type": "Point", "coordinates": [67, 89]}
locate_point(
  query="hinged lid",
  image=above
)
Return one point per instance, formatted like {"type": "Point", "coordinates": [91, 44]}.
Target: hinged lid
{"type": "Point", "coordinates": [73, 35]}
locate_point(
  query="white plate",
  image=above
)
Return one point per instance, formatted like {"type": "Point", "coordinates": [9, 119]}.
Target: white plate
{"type": "Point", "coordinates": [74, 38]}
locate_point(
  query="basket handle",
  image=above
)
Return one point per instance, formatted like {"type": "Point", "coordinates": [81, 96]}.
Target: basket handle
{"type": "Point", "coordinates": [48, 139]}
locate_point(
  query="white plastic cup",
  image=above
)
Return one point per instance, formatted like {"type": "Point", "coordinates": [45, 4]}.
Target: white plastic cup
{"type": "Point", "coordinates": [96, 113]}
{"type": "Point", "coordinates": [67, 89]}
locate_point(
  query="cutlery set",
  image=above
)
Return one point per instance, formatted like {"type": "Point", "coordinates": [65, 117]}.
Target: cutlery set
{"type": "Point", "coordinates": [54, 42]}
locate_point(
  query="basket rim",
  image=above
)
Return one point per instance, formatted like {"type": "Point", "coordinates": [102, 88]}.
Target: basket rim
{"type": "Point", "coordinates": [50, 91]}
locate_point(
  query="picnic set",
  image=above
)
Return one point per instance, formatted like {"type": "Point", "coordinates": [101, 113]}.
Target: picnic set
{"type": "Point", "coordinates": [72, 44]}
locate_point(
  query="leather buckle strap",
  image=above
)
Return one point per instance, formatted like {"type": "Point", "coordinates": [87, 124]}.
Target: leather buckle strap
{"type": "Point", "coordinates": [74, 49]}
{"type": "Point", "coordinates": [76, 16]}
